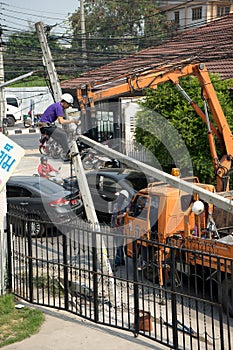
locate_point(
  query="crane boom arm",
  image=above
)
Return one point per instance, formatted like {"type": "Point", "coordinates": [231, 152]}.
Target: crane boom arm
{"type": "Point", "coordinates": [151, 78]}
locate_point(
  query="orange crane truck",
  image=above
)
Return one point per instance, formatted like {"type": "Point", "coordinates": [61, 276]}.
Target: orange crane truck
{"type": "Point", "coordinates": [161, 214]}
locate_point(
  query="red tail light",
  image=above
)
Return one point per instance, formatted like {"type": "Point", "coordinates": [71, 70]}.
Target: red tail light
{"type": "Point", "coordinates": [59, 202]}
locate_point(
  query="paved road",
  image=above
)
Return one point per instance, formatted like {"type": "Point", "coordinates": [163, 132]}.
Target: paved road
{"type": "Point", "coordinates": [30, 142]}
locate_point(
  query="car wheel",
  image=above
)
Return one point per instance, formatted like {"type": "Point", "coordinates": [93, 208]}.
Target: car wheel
{"type": "Point", "coordinates": [10, 121]}
{"type": "Point", "coordinates": [34, 226]}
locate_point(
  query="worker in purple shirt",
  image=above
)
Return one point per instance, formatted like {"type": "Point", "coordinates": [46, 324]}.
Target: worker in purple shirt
{"type": "Point", "coordinates": [56, 112]}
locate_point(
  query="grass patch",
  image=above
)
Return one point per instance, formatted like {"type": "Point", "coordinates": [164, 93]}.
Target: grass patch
{"type": "Point", "coordinates": [17, 324]}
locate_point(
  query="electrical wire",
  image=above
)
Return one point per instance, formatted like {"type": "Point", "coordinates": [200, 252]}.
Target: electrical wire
{"type": "Point", "coordinates": [74, 63]}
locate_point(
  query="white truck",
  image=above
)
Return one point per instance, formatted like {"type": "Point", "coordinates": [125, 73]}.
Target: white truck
{"type": "Point", "coordinates": [13, 109]}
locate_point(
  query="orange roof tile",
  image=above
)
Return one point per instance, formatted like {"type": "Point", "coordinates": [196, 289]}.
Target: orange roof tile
{"type": "Point", "coordinates": [211, 44]}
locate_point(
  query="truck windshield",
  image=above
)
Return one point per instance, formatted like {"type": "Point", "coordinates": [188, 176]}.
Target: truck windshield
{"type": "Point", "coordinates": [12, 101]}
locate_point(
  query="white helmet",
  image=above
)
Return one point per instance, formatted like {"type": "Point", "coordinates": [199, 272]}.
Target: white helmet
{"type": "Point", "coordinates": [68, 98]}
{"type": "Point", "coordinates": [124, 193]}
{"type": "Point", "coordinates": [198, 207]}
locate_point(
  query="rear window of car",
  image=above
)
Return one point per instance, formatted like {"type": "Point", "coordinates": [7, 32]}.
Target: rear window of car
{"type": "Point", "coordinates": [49, 187]}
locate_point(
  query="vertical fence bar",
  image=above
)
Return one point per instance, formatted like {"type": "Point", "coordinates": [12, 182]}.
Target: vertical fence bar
{"type": "Point", "coordinates": [95, 279]}
{"type": "Point", "coordinates": [173, 298]}
{"type": "Point", "coordinates": [65, 260]}
{"type": "Point", "coordinates": [30, 265]}
{"type": "Point", "coordinates": [220, 308]}
{"type": "Point", "coordinates": [136, 293]}
{"type": "Point", "coordinates": [9, 256]}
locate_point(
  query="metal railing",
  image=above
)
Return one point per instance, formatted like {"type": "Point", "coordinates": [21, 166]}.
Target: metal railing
{"type": "Point", "coordinates": [155, 293]}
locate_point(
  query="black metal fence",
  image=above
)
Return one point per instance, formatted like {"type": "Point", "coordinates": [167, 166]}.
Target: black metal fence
{"type": "Point", "coordinates": [165, 299]}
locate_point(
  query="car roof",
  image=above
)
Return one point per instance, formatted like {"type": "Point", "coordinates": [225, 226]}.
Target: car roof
{"type": "Point", "coordinates": [121, 172]}
{"type": "Point", "coordinates": [37, 183]}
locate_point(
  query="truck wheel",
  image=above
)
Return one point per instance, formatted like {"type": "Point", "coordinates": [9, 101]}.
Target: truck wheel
{"type": "Point", "coordinates": [227, 295]}
{"type": "Point", "coordinates": [10, 121]}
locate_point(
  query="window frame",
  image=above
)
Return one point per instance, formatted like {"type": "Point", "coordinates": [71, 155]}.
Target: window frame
{"type": "Point", "coordinates": [197, 13]}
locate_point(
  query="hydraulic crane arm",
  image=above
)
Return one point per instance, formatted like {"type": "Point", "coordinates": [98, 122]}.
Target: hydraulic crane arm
{"type": "Point", "coordinates": [151, 78]}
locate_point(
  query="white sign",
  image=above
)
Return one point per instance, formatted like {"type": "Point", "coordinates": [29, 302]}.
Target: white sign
{"type": "Point", "coordinates": [10, 156]}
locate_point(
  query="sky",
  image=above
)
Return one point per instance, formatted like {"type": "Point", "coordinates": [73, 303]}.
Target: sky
{"type": "Point", "coordinates": [16, 14]}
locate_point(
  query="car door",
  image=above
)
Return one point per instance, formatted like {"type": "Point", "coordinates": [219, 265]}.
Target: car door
{"type": "Point", "coordinates": [22, 197]}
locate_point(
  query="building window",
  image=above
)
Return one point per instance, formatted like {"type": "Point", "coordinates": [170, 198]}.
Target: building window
{"type": "Point", "coordinates": [223, 10]}
{"type": "Point", "coordinates": [196, 13]}
{"type": "Point", "coordinates": [177, 18]}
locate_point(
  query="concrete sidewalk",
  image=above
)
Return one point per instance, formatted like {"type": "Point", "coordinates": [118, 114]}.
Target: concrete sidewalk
{"type": "Point", "coordinates": [63, 331]}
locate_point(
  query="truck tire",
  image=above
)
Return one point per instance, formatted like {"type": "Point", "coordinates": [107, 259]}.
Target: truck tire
{"type": "Point", "coordinates": [10, 121]}
{"type": "Point", "coordinates": [227, 296]}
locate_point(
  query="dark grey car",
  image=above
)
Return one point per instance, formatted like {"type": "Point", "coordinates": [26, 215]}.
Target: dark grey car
{"type": "Point", "coordinates": [41, 199]}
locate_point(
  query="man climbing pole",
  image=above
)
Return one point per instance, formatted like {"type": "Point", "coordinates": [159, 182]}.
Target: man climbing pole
{"type": "Point", "coordinates": [56, 112]}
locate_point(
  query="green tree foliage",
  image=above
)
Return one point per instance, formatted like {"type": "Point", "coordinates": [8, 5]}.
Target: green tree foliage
{"type": "Point", "coordinates": [167, 120]}
{"type": "Point", "coordinates": [118, 26]}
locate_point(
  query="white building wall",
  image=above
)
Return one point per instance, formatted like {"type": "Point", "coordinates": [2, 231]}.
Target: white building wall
{"type": "Point", "coordinates": [209, 11]}
{"type": "Point", "coordinates": [182, 15]}
{"type": "Point", "coordinates": [129, 108]}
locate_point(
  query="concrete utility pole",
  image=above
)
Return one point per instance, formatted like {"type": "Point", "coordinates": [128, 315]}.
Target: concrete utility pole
{"type": "Point", "coordinates": [48, 61]}
{"type": "Point", "coordinates": [79, 171]}
{"type": "Point", "coordinates": [77, 163]}
{"type": "Point", "coordinates": [83, 32]}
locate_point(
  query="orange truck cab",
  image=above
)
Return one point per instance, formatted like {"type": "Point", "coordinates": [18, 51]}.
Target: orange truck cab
{"type": "Point", "coordinates": [161, 211]}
